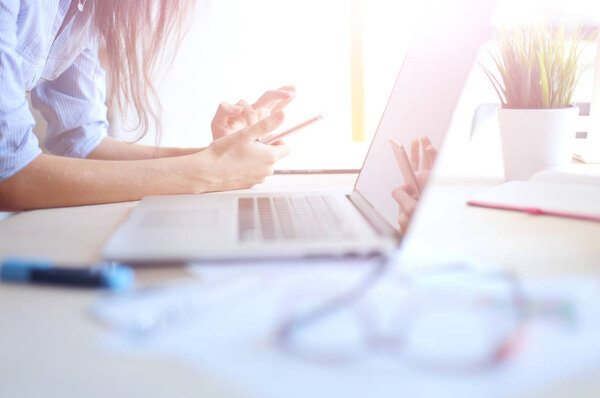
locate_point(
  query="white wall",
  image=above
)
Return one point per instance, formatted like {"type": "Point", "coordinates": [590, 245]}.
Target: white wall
{"type": "Point", "coordinates": [238, 49]}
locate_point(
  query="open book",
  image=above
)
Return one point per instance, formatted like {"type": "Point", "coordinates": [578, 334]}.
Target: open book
{"type": "Point", "coordinates": [554, 193]}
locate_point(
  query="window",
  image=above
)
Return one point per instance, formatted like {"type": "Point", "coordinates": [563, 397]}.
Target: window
{"type": "Point", "coordinates": [238, 49]}
{"type": "Point", "coordinates": [343, 55]}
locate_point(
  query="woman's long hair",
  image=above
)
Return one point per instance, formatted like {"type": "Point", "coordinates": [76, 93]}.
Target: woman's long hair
{"type": "Point", "coordinates": [134, 35]}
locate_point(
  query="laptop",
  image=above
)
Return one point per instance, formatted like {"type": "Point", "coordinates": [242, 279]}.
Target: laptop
{"type": "Point", "coordinates": [252, 225]}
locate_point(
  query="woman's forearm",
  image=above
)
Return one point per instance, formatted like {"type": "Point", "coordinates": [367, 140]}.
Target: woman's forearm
{"type": "Point", "coordinates": [113, 149]}
{"type": "Point", "coordinates": [52, 181]}
{"type": "Point", "coordinates": [235, 161]}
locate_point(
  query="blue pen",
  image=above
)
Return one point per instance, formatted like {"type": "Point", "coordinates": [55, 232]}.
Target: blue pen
{"type": "Point", "coordinates": [102, 275]}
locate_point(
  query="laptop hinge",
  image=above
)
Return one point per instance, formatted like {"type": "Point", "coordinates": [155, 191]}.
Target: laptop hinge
{"type": "Point", "coordinates": [379, 224]}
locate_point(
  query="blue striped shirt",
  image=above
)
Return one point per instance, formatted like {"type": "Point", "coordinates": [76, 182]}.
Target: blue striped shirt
{"type": "Point", "coordinates": [64, 76]}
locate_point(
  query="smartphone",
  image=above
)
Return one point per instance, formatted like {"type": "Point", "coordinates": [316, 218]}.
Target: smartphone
{"type": "Point", "coordinates": [276, 137]}
{"type": "Point", "coordinates": [404, 164]}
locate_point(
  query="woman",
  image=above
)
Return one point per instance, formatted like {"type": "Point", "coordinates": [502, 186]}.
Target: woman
{"type": "Point", "coordinates": [58, 50]}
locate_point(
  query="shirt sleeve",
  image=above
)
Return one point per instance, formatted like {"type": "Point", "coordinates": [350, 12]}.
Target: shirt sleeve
{"type": "Point", "coordinates": [74, 107]}
{"type": "Point", "coordinates": [18, 144]}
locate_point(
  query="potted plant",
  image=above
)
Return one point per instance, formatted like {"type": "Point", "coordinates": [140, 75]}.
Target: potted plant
{"type": "Point", "coordinates": [537, 72]}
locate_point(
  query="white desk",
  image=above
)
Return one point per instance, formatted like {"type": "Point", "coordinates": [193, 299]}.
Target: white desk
{"type": "Point", "coordinates": [49, 345]}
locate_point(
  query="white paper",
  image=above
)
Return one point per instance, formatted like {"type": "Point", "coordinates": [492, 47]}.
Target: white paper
{"type": "Point", "coordinates": [230, 336]}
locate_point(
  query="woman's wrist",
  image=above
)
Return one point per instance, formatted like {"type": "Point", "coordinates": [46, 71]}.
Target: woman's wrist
{"type": "Point", "coordinates": [200, 172]}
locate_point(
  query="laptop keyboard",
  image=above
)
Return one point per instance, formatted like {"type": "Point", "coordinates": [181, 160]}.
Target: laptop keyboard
{"type": "Point", "coordinates": [287, 218]}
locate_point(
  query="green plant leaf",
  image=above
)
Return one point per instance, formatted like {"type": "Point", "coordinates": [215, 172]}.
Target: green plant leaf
{"type": "Point", "coordinates": [537, 66]}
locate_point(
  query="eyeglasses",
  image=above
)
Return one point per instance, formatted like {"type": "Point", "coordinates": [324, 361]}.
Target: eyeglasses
{"type": "Point", "coordinates": [453, 318]}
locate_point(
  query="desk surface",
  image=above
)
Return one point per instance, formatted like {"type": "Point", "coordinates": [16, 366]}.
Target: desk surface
{"type": "Point", "coordinates": [49, 346]}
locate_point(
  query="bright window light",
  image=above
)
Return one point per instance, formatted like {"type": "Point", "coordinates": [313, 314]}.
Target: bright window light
{"type": "Point", "coordinates": [237, 49]}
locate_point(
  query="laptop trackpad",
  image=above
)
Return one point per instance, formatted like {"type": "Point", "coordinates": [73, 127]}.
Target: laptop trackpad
{"type": "Point", "coordinates": [196, 219]}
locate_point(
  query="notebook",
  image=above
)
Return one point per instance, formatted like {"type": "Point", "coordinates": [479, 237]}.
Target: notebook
{"type": "Point", "coordinates": [551, 193]}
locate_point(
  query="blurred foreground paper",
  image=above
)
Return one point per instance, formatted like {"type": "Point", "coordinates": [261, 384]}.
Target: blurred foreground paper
{"type": "Point", "coordinates": [230, 316]}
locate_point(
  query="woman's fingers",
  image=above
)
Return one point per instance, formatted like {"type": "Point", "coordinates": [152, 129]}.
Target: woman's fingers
{"type": "Point", "coordinates": [225, 111]}
{"type": "Point", "coordinates": [275, 100]}
{"type": "Point", "coordinates": [415, 156]}
{"type": "Point", "coordinates": [249, 113]}
{"type": "Point", "coordinates": [429, 154]}
{"type": "Point", "coordinates": [398, 194]}
{"type": "Point", "coordinates": [243, 114]}
{"type": "Point", "coordinates": [223, 116]}
{"type": "Point", "coordinates": [265, 126]}
{"type": "Point", "coordinates": [425, 142]}
{"type": "Point", "coordinates": [403, 219]}
{"type": "Point", "coordinates": [282, 104]}
{"type": "Point", "coordinates": [291, 88]}
{"type": "Point", "coordinates": [404, 197]}
{"type": "Point", "coordinates": [272, 98]}
{"type": "Point", "coordinates": [406, 206]}
{"type": "Point", "coordinates": [229, 109]}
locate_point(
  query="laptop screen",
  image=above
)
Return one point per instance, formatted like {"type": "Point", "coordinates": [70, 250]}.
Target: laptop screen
{"type": "Point", "coordinates": [420, 108]}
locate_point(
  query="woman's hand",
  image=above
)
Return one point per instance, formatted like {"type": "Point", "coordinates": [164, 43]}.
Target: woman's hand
{"type": "Point", "coordinates": [238, 160]}
{"type": "Point", "coordinates": [407, 196]}
{"type": "Point", "coordinates": [231, 118]}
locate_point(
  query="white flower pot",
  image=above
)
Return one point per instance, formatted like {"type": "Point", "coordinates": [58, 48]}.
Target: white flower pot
{"type": "Point", "coordinates": [536, 139]}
